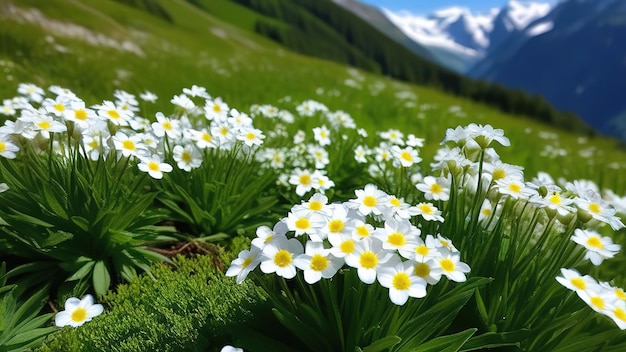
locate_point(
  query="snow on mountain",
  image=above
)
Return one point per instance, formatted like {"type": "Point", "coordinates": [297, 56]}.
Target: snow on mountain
{"type": "Point", "coordinates": [459, 38]}
{"type": "Point", "coordinates": [520, 14]}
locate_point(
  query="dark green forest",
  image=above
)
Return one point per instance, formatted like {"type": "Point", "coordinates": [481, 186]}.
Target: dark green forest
{"type": "Point", "coordinates": [324, 29]}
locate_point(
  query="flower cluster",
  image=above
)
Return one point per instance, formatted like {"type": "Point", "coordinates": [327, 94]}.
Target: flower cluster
{"type": "Point", "coordinates": [600, 296]}
{"type": "Point", "coordinates": [372, 233]}
{"type": "Point", "coordinates": [204, 124]}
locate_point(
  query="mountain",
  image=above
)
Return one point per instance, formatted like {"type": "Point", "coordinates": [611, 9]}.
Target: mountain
{"type": "Point", "coordinates": [575, 57]}
{"type": "Point", "coordinates": [378, 20]}
{"type": "Point", "coordinates": [459, 38]}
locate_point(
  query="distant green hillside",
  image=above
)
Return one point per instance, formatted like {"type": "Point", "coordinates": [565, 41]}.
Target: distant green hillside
{"type": "Point", "coordinates": [324, 29]}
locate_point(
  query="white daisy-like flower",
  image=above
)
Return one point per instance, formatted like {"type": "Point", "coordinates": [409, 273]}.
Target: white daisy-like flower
{"type": "Point", "coordinates": [78, 311]}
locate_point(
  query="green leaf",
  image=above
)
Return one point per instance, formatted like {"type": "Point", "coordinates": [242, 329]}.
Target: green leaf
{"type": "Point", "coordinates": [81, 222]}
{"type": "Point", "coordinates": [83, 271]}
{"type": "Point", "coordinates": [53, 203]}
{"type": "Point", "coordinates": [448, 343]}
{"type": "Point", "coordinates": [382, 344]}
{"type": "Point", "coordinates": [101, 278]}
{"type": "Point", "coordinates": [496, 339]}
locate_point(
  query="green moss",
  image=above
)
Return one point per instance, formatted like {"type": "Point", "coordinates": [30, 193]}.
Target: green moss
{"type": "Point", "coordinates": [193, 307]}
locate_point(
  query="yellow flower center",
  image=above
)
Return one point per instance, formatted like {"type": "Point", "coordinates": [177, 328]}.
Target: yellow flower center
{"type": "Point", "coordinates": [498, 174]}
{"type": "Point", "coordinates": [128, 144]}
{"type": "Point", "coordinates": [598, 302]}
{"type": "Point", "coordinates": [447, 265]}
{"type": "Point", "coordinates": [305, 179]}
{"type": "Point", "coordinates": [406, 156]}
{"type": "Point", "coordinates": [594, 208]}
{"type": "Point", "coordinates": [421, 249]}
{"type": "Point", "coordinates": [401, 281]}
{"type": "Point", "coordinates": [515, 188]}
{"type": "Point", "coordinates": [435, 188]}
{"type": "Point", "coordinates": [395, 202]}
{"type": "Point", "coordinates": [397, 239]}
{"type": "Point", "coordinates": [369, 201]}
{"type": "Point", "coordinates": [268, 238]}
{"type": "Point", "coordinates": [362, 231]}
{"type": "Point", "coordinates": [368, 260]}
{"type": "Point", "coordinates": [303, 223]}
{"type": "Point", "coordinates": [186, 156]}
{"type": "Point", "coordinates": [246, 262]}
{"type": "Point", "coordinates": [167, 125]}
{"type": "Point", "coordinates": [595, 242]}
{"type": "Point", "coordinates": [422, 269]}
{"type": "Point", "coordinates": [335, 226]}
{"type": "Point", "coordinates": [282, 258]}
{"type": "Point", "coordinates": [620, 314]}
{"type": "Point", "coordinates": [152, 166]}
{"type": "Point", "coordinates": [207, 137]}
{"type": "Point", "coordinates": [93, 144]}
{"type": "Point", "coordinates": [59, 107]}
{"type": "Point", "coordinates": [579, 283]}
{"type": "Point", "coordinates": [80, 114]}
{"type": "Point", "coordinates": [486, 211]}
{"type": "Point", "coordinates": [79, 315]}
{"type": "Point", "coordinates": [426, 209]}
{"type": "Point", "coordinates": [620, 293]}
{"type": "Point", "coordinates": [224, 131]}
{"type": "Point", "coordinates": [347, 246]}
{"type": "Point", "coordinates": [319, 262]}
{"type": "Point", "coordinates": [2, 146]}
{"type": "Point", "coordinates": [315, 205]}
{"type": "Point", "coordinates": [44, 125]}
{"type": "Point", "coordinates": [250, 136]}
{"type": "Point", "coordinates": [113, 114]}
{"type": "Point", "coordinates": [555, 199]}
{"type": "Point", "coordinates": [217, 108]}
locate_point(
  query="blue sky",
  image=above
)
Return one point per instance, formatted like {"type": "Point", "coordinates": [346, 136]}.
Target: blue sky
{"type": "Point", "coordinates": [425, 7]}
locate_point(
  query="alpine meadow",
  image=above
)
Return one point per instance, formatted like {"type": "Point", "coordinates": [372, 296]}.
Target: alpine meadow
{"type": "Point", "coordinates": [242, 175]}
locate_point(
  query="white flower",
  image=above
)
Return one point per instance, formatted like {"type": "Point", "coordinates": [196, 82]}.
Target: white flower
{"type": "Point", "coordinates": [245, 262]}
{"type": "Point", "coordinates": [303, 181]}
{"type": "Point", "coordinates": [435, 188]}
{"type": "Point", "coordinates": [367, 257]}
{"type": "Point", "coordinates": [598, 247]}
{"type": "Point", "coordinates": [153, 166]}
{"type": "Point", "coordinates": [369, 200]}
{"type": "Point", "coordinates": [279, 257]}
{"type": "Point", "coordinates": [427, 210]}
{"type": "Point", "coordinates": [317, 262]}
{"type": "Point", "coordinates": [78, 311]}
{"type": "Point", "coordinates": [451, 266]}
{"type": "Point", "coordinates": [322, 135]}
{"type": "Point", "coordinates": [400, 279]}
{"type": "Point", "coordinates": [229, 348]}
{"type": "Point", "coordinates": [187, 157]}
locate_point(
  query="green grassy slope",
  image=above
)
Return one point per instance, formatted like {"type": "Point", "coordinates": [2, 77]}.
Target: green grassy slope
{"type": "Point", "coordinates": [96, 46]}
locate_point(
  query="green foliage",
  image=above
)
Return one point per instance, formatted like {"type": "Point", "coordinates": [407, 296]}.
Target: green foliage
{"type": "Point", "coordinates": [192, 307]}
{"type": "Point", "coordinates": [21, 326]}
{"type": "Point", "coordinates": [228, 194]}
{"type": "Point", "coordinates": [73, 223]}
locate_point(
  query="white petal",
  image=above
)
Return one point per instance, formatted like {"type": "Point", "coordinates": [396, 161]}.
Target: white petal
{"type": "Point", "coordinates": [71, 303]}
{"type": "Point", "coordinates": [368, 276]}
{"type": "Point", "coordinates": [62, 318]}
{"type": "Point", "coordinates": [398, 297]}
{"type": "Point", "coordinates": [95, 310]}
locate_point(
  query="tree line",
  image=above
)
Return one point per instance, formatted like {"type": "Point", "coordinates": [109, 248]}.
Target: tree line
{"type": "Point", "coordinates": [324, 29]}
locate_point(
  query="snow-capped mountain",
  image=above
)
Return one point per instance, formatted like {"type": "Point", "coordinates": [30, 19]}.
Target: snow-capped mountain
{"type": "Point", "coordinates": [575, 57]}
{"type": "Point", "coordinates": [459, 38]}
